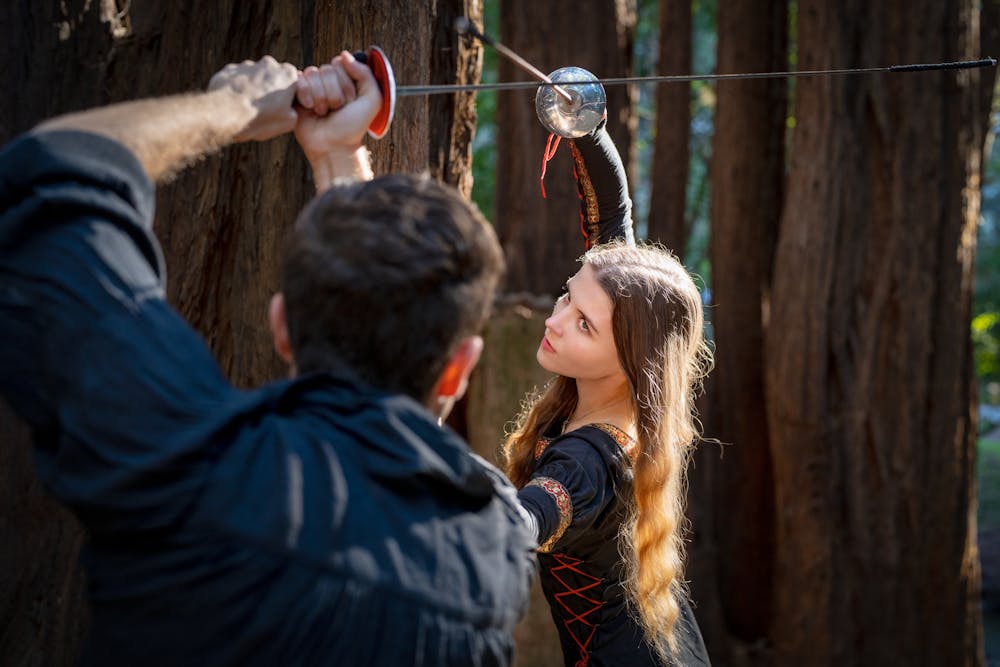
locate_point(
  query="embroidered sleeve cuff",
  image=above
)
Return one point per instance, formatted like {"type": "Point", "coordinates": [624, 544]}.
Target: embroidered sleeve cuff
{"type": "Point", "coordinates": [558, 495]}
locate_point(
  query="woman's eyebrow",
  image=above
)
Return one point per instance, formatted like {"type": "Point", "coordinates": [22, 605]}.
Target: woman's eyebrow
{"type": "Point", "coordinates": [590, 322]}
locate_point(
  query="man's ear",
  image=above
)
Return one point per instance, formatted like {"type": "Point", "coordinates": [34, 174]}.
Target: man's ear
{"type": "Point", "coordinates": [279, 328]}
{"type": "Point", "coordinates": [454, 378]}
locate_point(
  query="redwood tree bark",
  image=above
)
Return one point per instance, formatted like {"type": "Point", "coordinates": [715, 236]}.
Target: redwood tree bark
{"type": "Point", "coordinates": [221, 223]}
{"type": "Point", "coordinates": [747, 175]}
{"type": "Point", "coordinates": [540, 236]}
{"type": "Point", "coordinates": [668, 190]}
{"type": "Point", "coordinates": [989, 43]}
{"type": "Point", "coordinates": [506, 372]}
{"type": "Point", "coordinates": [868, 356]}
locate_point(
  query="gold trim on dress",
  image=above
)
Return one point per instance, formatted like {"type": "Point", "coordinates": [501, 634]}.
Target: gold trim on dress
{"type": "Point", "coordinates": [624, 440]}
{"type": "Point", "coordinates": [563, 503]}
{"type": "Point", "coordinates": [540, 446]}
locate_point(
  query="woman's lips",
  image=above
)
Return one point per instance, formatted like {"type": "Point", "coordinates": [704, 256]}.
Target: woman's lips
{"type": "Point", "coordinates": [547, 346]}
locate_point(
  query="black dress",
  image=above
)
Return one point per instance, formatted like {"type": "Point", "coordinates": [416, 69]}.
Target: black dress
{"type": "Point", "coordinates": [578, 494]}
{"type": "Point", "coordinates": [582, 483]}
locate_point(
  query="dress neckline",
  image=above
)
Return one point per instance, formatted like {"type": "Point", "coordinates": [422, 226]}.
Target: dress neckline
{"type": "Point", "coordinates": [626, 442]}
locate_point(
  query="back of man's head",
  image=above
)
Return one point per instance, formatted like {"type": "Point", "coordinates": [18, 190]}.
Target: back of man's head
{"type": "Point", "coordinates": [385, 277]}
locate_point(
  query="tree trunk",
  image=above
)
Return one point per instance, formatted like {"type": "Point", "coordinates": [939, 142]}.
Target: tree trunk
{"type": "Point", "coordinates": [222, 222]}
{"type": "Point", "coordinates": [540, 236]}
{"type": "Point", "coordinates": [869, 362]}
{"type": "Point", "coordinates": [42, 586]}
{"type": "Point", "coordinates": [989, 42]}
{"type": "Point", "coordinates": [506, 372]}
{"type": "Point", "coordinates": [668, 199]}
{"type": "Point", "coordinates": [747, 175]}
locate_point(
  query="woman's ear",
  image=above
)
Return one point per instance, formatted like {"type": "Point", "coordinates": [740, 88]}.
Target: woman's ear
{"type": "Point", "coordinates": [279, 328]}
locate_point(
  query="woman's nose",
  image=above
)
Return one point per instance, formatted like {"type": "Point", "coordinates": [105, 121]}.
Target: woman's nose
{"type": "Point", "coordinates": [552, 324]}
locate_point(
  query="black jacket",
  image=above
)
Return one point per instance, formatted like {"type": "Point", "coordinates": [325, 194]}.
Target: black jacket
{"type": "Point", "coordinates": [313, 521]}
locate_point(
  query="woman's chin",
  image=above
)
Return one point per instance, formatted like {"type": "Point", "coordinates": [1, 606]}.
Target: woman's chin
{"type": "Point", "coordinates": [541, 356]}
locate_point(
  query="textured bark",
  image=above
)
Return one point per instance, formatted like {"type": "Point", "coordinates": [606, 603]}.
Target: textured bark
{"type": "Point", "coordinates": [869, 361]}
{"type": "Point", "coordinates": [747, 174]}
{"type": "Point", "coordinates": [42, 610]}
{"type": "Point", "coordinates": [222, 222]}
{"type": "Point", "coordinates": [540, 236]}
{"type": "Point", "coordinates": [668, 198]}
{"type": "Point", "coordinates": [506, 372]}
{"type": "Point", "coordinates": [989, 45]}
{"type": "Point", "coordinates": [453, 59]}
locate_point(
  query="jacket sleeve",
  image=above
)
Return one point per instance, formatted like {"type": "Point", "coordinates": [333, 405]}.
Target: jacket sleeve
{"type": "Point", "coordinates": [120, 392]}
{"type": "Point", "coordinates": [605, 207]}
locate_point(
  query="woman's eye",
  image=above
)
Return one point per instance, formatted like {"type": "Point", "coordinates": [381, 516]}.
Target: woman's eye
{"type": "Point", "coordinates": [584, 326]}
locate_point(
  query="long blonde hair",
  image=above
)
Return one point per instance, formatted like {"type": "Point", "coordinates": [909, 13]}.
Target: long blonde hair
{"type": "Point", "coordinates": [658, 325]}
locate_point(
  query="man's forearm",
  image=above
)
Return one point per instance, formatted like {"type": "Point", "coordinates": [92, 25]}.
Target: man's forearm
{"type": "Point", "coordinates": [166, 134]}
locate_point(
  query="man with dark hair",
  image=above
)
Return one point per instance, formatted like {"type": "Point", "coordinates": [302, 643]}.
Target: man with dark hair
{"type": "Point", "coordinates": [326, 519]}
{"type": "Point", "coordinates": [390, 311]}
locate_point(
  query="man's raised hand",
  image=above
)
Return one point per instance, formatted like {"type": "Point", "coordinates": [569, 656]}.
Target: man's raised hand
{"type": "Point", "coordinates": [268, 88]}
{"type": "Point", "coordinates": [337, 104]}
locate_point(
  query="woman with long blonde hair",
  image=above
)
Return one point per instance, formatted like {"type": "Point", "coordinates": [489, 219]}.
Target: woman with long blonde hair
{"type": "Point", "coordinates": [600, 454]}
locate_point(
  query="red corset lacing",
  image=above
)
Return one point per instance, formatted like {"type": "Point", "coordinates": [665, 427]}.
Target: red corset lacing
{"type": "Point", "coordinates": [576, 624]}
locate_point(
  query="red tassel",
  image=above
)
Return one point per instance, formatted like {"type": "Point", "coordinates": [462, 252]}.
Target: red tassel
{"type": "Point", "coordinates": [550, 151]}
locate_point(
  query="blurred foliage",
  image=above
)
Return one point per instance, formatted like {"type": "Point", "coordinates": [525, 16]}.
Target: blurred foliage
{"type": "Point", "coordinates": [699, 190]}
{"type": "Point", "coordinates": [988, 470]}
{"type": "Point", "coordinates": [986, 294]}
{"type": "Point", "coordinates": [484, 145]}
{"type": "Point", "coordinates": [646, 56]}
{"type": "Point", "coordinates": [985, 328]}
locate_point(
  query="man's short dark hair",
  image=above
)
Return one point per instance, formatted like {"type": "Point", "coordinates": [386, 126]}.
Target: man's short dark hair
{"type": "Point", "coordinates": [385, 277]}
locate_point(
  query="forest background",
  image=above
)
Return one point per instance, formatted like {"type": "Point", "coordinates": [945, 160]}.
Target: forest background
{"type": "Point", "coordinates": [845, 231]}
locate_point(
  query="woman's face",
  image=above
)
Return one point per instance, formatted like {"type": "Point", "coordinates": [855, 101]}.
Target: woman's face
{"type": "Point", "coordinates": [578, 340]}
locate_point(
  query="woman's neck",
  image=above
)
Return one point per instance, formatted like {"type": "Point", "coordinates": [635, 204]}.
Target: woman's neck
{"type": "Point", "coordinates": [602, 401]}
